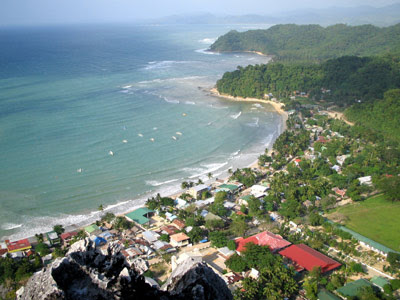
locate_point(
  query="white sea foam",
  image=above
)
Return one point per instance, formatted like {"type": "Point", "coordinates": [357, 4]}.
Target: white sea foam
{"type": "Point", "coordinates": [258, 105]}
{"type": "Point", "coordinates": [236, 116]}
{"type": "Point", "coordinates": [10, 226]}
{"type": "Point", "coordinates": [234, 154]}
{"type": "Point", "coordinates": [174, 101]}
{"type": "Point", "coordinates": [36, 225]}
{"type": "Point", "coordinates": [190, 102]}
{"type": "Point", "coordinates": [165, 64]}
{"type": "Point", "coordinates": [205, 51]}
{"type": "Point", "coordinates": [208, 41]}
{"type": "Point", "coordinates": [203, 170]}
{"type": "Point", "coordinates": [158, 183]}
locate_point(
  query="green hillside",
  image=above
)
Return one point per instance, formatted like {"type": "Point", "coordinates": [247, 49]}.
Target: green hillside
{"type": "Point", "coordinates": [347, 78]}
{"type": "Point", "coordinates": [380, 116]}
{"type": "Point", "coordinates": [313, 42]}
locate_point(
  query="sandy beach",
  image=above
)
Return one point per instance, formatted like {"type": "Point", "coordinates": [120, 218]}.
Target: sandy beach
{"type": "Point", "coordinates": [276, 105]}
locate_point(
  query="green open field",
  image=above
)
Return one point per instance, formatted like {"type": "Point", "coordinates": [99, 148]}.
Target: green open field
{"type": "Point", "coordinates": [375, 218]}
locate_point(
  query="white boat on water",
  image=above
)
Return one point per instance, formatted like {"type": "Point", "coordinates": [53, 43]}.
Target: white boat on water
{"type": "Point", "coordinates": [80, 170]}
{"type": "Point", "coordinates": [124, 141]}
{"type": "Point", "coordinates": [111, 153]}
{"type": "Point", "coordinates": [174, 137]}
{"type": "Point", "coordinates": [152, 140]}
{"type": "Point", "coordinates": [141, 135]}
{"type": "Point", "coordinates": [179, 133]}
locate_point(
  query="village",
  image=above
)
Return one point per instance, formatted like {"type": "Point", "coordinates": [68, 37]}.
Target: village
{"type": "Point", "coordinates": [278, 204]}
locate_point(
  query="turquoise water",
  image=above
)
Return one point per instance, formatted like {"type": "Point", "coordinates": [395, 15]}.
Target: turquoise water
{"type": "Point", "coordinates": [70, 95]}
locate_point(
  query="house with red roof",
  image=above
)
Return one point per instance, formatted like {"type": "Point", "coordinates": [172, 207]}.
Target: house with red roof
{"type": "Point", "coordinates": [16, 246]}
{"type": "Point", "coordinates": [66, 237]}
{"type": "Point", "coordinates": [322, 139]}
{"type": "Point", "coordinates": [274, 241]}
{"type": "Point", "coordinates": [340, 192]}
{"type": "Point", "coordinates": [303, 257]}
{"type": "Point", "coordinates": [179, 224]}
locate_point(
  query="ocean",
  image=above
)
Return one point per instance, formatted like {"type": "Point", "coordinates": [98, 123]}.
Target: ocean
{"type": "Point", "coordinates": [107, 115]}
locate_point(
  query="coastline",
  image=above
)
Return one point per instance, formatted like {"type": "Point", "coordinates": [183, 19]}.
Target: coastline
{"type": "Point", "coordinates": [276, 105]}
{"type": "Point", "coordinates": [142, 200]}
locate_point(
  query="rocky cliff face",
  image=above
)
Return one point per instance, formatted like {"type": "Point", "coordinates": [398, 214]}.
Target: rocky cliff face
{"type": "Point", "coordinates": [88, 273]}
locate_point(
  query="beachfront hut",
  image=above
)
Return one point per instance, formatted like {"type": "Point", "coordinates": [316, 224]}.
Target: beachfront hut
{"type": "Point", "coordinates": [229, 188]}
{"type": "Point", "coordinates": [92, 229]}
{"type": "Point", "coordinates": [197, 191]}
{"type": "Point", "coordinates": [141, 215]}
{"type": "Point", "coordinates": [16, 246]}
{"type": "Point", "coordinates": [53, 238]}
{"type": "Point", "coordinates": [66, 237]}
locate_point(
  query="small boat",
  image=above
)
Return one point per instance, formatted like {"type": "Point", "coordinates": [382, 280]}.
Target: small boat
{"type": "Point", "coordinates": [174, 137]}
{"type": "Point", "coordinates": [152, 140]}
{"type": "Point", "coordinates": [155, 128]}
{"type": "Point", "coordinates": [141, 135]}
{"type": "Point", "coordinates": [79, 170]}
{"type": "Point", "coordinates": [124, 141]}
{"type": "Point", "coordinates": [184, 114]}
{"type": "Point", "coordinates": [111, 153]}
{"type": "Point", "coordinates": [179, 133]}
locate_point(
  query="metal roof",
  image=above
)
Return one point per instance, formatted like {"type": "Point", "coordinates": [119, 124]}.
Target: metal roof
{"type": "Point", "coordinates": [138, 215]}
{"type": "Point", "coordinates": [309, 258]}
{"type": "Point", "coordinates": [351, 289]}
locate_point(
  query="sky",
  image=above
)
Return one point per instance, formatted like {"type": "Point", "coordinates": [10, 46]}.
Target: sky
{"type": "Point", "coordinates": [37, 12]}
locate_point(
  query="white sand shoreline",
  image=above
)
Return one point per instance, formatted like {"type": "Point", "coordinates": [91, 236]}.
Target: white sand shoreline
{"type": "Point", "coordinates": [276, 105]}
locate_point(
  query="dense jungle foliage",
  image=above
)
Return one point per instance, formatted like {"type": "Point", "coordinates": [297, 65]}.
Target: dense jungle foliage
{"type": "Point", "coordinates": [342, 80]}
{"type": "Point", "coordinates": [313, 42]}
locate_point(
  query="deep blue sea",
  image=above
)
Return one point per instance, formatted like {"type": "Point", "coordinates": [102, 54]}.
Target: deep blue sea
{"type": "Point", "coordinates": [70, 95]}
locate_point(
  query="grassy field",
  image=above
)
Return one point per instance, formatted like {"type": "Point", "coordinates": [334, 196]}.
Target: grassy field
{"type": "Point", "coordinates": [375, 218]}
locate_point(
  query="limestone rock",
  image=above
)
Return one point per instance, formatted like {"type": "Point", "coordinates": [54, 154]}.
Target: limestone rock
{"type": "Point", "coordinates": [93, 274]}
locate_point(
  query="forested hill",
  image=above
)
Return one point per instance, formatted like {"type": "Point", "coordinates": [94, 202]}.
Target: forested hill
{"type": "Point", "coordinates": [347, 78]}
{"type": "Point", "coordinates": [379, 116]}
{"type": "Point", "coordinates": [313, 42]}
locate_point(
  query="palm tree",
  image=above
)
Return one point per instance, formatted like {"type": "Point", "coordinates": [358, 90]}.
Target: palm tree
{"type": "Point", "coordinates": [209, 175]}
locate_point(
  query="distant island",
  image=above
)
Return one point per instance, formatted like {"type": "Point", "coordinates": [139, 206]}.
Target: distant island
{"type": "Point", "coordinates": [356, 15]}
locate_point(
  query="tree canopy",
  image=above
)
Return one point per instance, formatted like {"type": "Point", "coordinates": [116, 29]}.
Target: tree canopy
{"type": "Point", "coordinates": [312, 42]}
